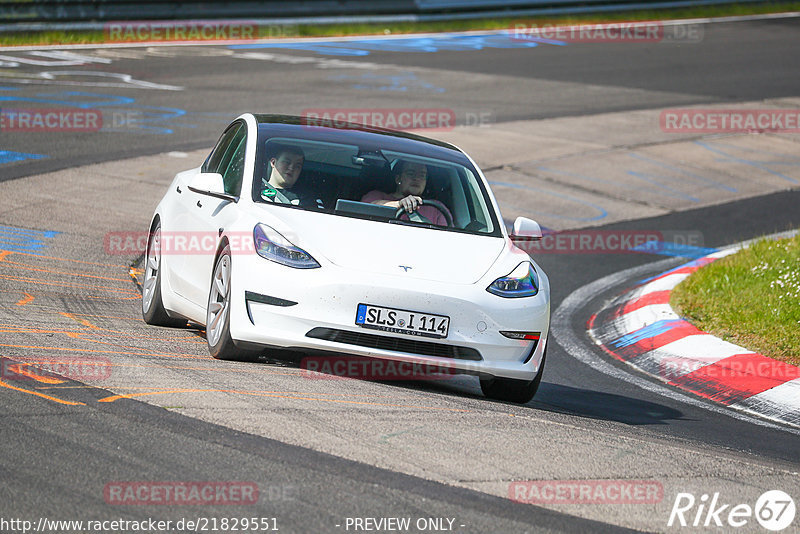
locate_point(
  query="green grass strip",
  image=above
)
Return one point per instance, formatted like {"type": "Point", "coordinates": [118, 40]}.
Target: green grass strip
{"type": "Point", "coordinates": [750, 298]}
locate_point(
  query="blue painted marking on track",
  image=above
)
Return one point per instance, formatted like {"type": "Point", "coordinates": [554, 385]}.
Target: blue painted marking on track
{"type": "Point", "coordinates": [760, 151]}
{"type": "Point", "coordinates": [404, 82]}
{"type": "Point", "coordinates": [25, 240]}
{"type": "Point", "coordinates": [49, 234]}
{"type": "Point", "coordinates": [582, 176]}
{"type": "Point", "coordinates": [8, 156]}
{"type": "Point", "coordinates": [763, 165]}
{"type": "Point", "coordinates": [145, 119]}
{"type": "Point", "coordinates": [650, 178]}
{"type": "Point", "coordinates": [602, 215]}
{"type": "Point", "coordinates": [86, 100]}
{"type": "Point", "coordinates": [712, 183]}
{"type": "Point", "coordinates": [64, 98]}
{"type": "Point", "coordinates": [673, 249]}
{"type": "Point", "coordinates": [643, 177]}
{"type": "Point", "coordinates": [436, 43]}
{"type": "Point", "coordinates": [651, 330]}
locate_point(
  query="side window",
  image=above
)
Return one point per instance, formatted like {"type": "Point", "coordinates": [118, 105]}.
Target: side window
{"type": "Point", "coordinates": [477, 206]}
{"type": "Point", "coordinates": [215, 160]}
{"type": "Point", "coordinates": [227, 158]}
{"type": "Point", "coordinates": [233, 171]}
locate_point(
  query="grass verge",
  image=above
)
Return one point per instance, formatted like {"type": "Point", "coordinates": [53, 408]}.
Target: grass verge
{"type": "Point", "coordinates": [751, 298]}
{"type": "Point", "coordinates": [340, 30]}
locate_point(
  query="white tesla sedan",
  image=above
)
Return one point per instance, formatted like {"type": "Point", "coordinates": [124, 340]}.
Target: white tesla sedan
{"type": "Point", "coordinates": [346, 239]}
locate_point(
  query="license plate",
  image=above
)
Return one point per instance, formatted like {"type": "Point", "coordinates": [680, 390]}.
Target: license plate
{"type": "Point", "coordinates": [402, 321]}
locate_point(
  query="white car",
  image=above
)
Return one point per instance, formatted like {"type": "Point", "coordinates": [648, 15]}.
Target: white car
{"type": "Point", "coordinates": [340, 263]}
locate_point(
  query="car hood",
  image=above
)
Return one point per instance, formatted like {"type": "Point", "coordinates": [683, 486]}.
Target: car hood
{"type": "Point", "coordinates": [390, 249]}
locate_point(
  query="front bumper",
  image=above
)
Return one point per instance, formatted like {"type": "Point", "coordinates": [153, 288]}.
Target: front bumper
{"type": "Point", "coordinates": [315, 310]}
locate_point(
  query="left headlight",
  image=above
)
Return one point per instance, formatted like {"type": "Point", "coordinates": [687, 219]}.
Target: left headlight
{"type": "Point", "coordinates": [521, 282]}
{"type": "Point", "coordinates": [270, 244]}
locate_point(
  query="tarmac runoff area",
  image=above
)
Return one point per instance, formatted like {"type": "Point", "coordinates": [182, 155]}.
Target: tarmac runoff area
{"type": "Point", "coordinates": [567, 173]}
{"type": "Point", "coordinates": [579, 172]}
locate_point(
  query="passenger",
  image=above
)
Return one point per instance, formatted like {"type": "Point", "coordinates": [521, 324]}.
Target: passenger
{"type": "Point", "coordinates": [410, 179]}
{"type": "Point", "coordinates": [286, 164]}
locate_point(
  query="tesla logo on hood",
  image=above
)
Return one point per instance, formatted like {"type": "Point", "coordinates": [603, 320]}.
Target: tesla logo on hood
{"type": "Point", "coordinates": [404, 267]}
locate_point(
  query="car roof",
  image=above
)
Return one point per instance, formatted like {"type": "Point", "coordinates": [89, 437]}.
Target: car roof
{"type": "Point", "coordinates": [366, 137]}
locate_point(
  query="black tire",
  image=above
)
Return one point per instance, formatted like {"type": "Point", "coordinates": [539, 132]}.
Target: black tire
{"type": "Point", "coordinates": [218, 317]}
{"type": "Point", "coordinates": [153, 311]}
{"type": "Point", "coordinates": [512, 390]}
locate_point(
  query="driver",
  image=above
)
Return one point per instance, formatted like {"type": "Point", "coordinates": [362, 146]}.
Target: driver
{"type": "Point", "coordinates": [410, 179]}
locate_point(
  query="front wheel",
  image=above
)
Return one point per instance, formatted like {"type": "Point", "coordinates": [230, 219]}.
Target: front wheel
{"type": "Point", "coordinates": [513, 390]}
{"type": "Point", "coordinates": [218, 316]}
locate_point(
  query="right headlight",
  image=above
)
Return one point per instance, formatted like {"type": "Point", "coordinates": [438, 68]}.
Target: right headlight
{"type": "Point", "coordinates": [521, 282]}
{"type": "Point", "coordinates": [271, 245]}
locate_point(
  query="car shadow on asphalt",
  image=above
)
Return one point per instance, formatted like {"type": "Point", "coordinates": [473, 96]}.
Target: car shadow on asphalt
{"type": "Point", "coordinates": [566, 400]}
{"type": "Point", "coordinates": [599, 405]}
{"type": "Point", "coordinates": [555, 398]}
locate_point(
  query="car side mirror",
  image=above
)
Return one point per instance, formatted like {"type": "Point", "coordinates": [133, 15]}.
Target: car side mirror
{"type": "Point", "coordinates": [211, 184]}
{"type": "Point", "coordinates": [526, 230]}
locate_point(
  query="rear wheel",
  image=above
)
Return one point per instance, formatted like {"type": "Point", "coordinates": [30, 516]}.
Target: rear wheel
{"type": "Point", "coordinates": [218, 317]}
{"type": "Point", "coordinates": [512, 390]}
{"type": "Point", "coordinates": [153, 311]}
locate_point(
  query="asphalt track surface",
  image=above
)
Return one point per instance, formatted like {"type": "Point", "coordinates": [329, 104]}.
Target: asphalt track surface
{"type": "Point", "coordinates": [57, 458]}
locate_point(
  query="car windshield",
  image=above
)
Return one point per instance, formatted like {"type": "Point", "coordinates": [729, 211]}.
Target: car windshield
{"type": "Point", "coordinates": [367, 183]}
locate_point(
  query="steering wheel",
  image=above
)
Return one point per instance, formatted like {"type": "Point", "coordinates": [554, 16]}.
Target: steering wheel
{"type": "Point", "coordinates": [434, 203]}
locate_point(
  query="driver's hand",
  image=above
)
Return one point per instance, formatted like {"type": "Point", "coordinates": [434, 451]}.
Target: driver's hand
{"type": "Point", "coordinates": [410, 203]}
